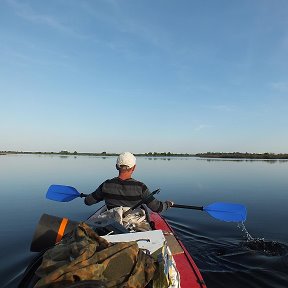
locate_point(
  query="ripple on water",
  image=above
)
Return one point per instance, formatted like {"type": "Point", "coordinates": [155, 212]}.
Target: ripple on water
{"type": "Point", "coordinates": [269, 248]}
{"type": "Point", "coordinates": [232, 262]}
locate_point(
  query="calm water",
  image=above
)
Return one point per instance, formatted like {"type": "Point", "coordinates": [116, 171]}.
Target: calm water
{"type": "Point", "coordinates": [220, 249]}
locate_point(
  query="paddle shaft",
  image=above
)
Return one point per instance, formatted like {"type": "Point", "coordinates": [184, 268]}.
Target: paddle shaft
{"type": "Point", "coordinates": [140, 203]}
{"type": "Point", "coordinates": [187, 207]}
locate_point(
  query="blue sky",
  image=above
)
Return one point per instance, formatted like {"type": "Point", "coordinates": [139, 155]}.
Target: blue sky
{"type": "Point", "coordinates": [138, 75]}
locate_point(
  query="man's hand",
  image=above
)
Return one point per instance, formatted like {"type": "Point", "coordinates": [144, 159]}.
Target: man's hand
{"type": "Point", "coordinates": [169, 203]}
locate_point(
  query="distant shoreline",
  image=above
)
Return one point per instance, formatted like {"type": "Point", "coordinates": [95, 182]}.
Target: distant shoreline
{"type": "Point", "coordinates": [213, 155]}
{"type": "Point", "coordinates": [238, 155]}
{"type": "Point", "coordinates": [102, 154]}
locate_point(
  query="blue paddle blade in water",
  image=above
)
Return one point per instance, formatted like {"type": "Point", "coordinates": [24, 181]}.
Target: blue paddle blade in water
{"type": "Point", "coordinates": [62, 193]}
{"type": "Point", "coordinates": [227, 211]}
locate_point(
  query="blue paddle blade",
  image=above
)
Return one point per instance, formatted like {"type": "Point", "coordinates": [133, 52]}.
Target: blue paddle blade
{"type": "Point", "coordinates": [227, 211]}
{"type": "Point", "coordinates": [62, 193]}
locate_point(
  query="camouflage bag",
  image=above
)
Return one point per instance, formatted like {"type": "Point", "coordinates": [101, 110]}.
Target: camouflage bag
{"type": "Point", "coordinates": [83, 255]}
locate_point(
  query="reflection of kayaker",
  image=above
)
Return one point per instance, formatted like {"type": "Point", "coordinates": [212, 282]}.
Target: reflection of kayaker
{"type": "Point", "coordinates": [124, 190]}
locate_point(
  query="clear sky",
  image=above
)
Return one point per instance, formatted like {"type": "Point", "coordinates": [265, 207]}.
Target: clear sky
{"type": "Point", "coordinates": [144, 75]}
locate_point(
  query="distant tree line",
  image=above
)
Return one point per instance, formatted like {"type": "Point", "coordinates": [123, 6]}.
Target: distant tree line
{"type": "Point", "coordinates": [238, 155]}
{"type": "Point", "coordinates": [66, 153]}
{"type": "Point", "coordinates": [63, 152]}
{"type": "Point", "coordinates": [233, 155]}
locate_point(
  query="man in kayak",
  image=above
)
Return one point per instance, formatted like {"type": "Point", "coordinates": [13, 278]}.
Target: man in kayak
{"type": "Point", "coordinates": [124, 190]}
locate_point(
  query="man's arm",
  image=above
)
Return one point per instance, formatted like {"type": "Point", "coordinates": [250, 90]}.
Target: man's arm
{"type": "Point", "coordinates": [154, 204]}
{"type": "Point", "coordinates": [94, 197]}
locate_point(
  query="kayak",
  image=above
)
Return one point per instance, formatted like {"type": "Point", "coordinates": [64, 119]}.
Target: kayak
{"type": "Point", "coordinates": [190, 275]}
{"type": "Point", "coordinates": [186, 270]}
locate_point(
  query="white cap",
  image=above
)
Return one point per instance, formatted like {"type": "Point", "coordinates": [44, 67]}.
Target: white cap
{"type": "Point", "coordinates": [126, 159]}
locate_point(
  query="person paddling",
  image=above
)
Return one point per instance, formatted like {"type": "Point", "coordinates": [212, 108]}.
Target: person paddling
{"type": "Point", "coordinates": [124, 190]}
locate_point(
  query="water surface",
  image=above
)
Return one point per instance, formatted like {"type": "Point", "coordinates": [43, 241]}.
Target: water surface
{"type": "Point", "coordinates": [220, 249]}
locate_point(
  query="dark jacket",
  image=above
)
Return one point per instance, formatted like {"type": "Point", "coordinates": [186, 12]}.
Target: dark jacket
{"type": "Point", "coordinates": [127, 193]}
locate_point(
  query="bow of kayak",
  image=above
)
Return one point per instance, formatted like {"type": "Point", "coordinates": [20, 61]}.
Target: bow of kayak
{"type": "Point", "coordinates": [186, 269]}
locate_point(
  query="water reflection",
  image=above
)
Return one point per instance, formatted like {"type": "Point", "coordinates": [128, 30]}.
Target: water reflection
{"type": "Point", "coordinates": [269, 161]}
{"type": "Point", "coordinates": [217, 247]}
{"type": "Point", "coordinates": [166, 158]}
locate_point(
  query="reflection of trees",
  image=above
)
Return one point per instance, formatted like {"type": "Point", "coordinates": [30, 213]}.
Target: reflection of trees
{"type": "Point", "coordinates": [169, 154]}
{"type": "Point", "coordinates": [238, 155]}
{"type": "Point", "coordinates": [167, 158]}
{"type": "Point", "coordinates": [235, 156]}
{"type": "Point", "coordinates": [245, 160]}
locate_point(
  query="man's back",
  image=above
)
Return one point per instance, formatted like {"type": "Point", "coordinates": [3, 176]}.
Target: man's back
{"type": "Point", "coordinates": [124, 190]}
{"type": "Point", "coordinates": [117, 192]}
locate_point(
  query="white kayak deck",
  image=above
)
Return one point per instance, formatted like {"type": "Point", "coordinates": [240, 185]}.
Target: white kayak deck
{"type": "Point", "coordinates": [149, 240]}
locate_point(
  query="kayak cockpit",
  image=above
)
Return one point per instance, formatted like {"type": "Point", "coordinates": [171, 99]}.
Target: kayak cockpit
{"type": "Point", "coordinates": [152, 243]}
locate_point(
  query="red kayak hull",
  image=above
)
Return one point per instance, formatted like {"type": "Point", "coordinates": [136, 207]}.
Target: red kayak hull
{"type": "Point", "coordinates": [190, 275]}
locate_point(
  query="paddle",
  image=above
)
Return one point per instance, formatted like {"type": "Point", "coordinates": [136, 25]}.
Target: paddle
{"type": "Point", "coordinates": [62, 193]}
{"type": "Point", "coordinates": [140, 203]}
{"type": "Point", "coordinates": [228, 212]}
